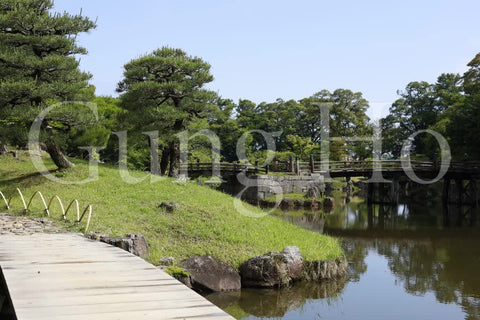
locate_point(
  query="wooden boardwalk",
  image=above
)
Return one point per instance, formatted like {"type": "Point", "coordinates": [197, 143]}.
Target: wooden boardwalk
{"type": "Point", "coordinates": [68, 277]}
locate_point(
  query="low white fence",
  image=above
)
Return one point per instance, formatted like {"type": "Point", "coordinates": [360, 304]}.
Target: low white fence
{"type": "Point", "coordinates": [73, 204]}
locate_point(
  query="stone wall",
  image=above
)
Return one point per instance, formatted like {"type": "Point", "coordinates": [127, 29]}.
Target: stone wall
{"type": "Point", "coordinates": [265, 185]}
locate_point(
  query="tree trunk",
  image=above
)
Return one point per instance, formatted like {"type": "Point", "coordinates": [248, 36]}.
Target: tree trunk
{"type": "Point", "coordinates": [3, 149]}
{"type": "Point", "coordinates": [164, 161]}
{"type": "Point", "coordinates": [174, 155]}
{"type": "Point", "coordinates": [175, 151]}
{"type": "Point", "coordinates": [58, 157]}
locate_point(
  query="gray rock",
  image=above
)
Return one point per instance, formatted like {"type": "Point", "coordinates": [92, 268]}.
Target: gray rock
{"type": "Point", "coordinates": [208, 274]}
{"type": "Point", "coordinates": [314, 192]}
{"type": "Point", "coordinates": [265, 271]}
{"type": "Point", "coordinates": [286, 203]}
{"type": "Point", "coordinates": [95, 235]}
{"type": "Point", "coordinates": [133, 243]}
{"type": "Point", "coordinates": [299, 203]}
{"type": "Point", "coordinates": [273, 269]}
{"type": "Point", "coordinates": [168, 206]}
{"type": "Point", "coordinates": [167, 261]}
{"type": "Point", "coordinates": [186, 281]}
{"type": "Point", "coordinates": [328, 204]}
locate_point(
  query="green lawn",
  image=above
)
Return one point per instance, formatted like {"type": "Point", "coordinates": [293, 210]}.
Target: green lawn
{"type": "Point", "coordinates": [205, 223]}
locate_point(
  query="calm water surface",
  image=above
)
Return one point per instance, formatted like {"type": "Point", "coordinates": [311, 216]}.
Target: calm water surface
{"type": "Point", "coordinates": [406, 262]}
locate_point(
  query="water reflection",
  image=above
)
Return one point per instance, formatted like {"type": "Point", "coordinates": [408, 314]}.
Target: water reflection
{"type": "Point", "coordinates": [275, 303]}
{"type": "Point", "coordinates": [408, 261]}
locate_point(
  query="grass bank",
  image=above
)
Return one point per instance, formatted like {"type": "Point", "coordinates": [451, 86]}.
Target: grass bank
{"type": "Point", "coordinates": [205, 222]}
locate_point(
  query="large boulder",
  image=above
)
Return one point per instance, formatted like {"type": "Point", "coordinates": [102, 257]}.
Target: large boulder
{"type": "Point", "coordinates": [273, 269]}
{"type": "Point", "coordinates": [208, 274]}
{"type": "Point", "coordinates": [133, 243]}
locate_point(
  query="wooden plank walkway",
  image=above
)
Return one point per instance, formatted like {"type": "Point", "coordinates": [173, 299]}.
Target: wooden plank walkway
{"type": "Point", "coordinates": [69, 277]}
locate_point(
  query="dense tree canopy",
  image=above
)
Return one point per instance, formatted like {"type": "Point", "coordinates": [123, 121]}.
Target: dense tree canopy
{"type": "Point", "coordinates": [165, 90]}
{"type": "Point", "coordinates": [451, 107]}
{"type": "Point", "coordinates": [37, 62]}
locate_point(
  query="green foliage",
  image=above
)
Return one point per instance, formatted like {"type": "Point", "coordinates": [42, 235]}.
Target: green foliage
{"type": "Point", "coordinates": [38, 66]}
{"type": "Point", "coordinates": [164, 91]}
{"type": "Point", "coordinates": [471, 78]}
{"type": "Point", "coordinates": [450, 106]}
{"type": "Point", "coordinates": [37, 51]}
{"type": "Point", "coordinates": [303, 147]}
{"type": "Point", "coordinates": [177, 272]}
{"type": "Point", "coordinates": [300, 123]}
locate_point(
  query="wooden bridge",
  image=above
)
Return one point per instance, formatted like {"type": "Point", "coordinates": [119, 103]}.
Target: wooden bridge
{"type": "Point", "coordinates": [68, 277]}
{"type": "Point", "coordinates": [363, 168]}
{"type": "Point", "coordinates": [460, 179]}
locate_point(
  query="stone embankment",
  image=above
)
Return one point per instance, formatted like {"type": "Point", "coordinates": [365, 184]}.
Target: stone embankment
{"type": "Point", "coordinates": [270, 270]}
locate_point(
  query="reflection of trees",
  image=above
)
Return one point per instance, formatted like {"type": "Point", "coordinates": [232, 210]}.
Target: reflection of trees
{"type": "Point", "coordinates": [310, 220]}
{"type": "Point", "coordinates": [446, 267]}
{"type": "Point", "coordinates": [277, 302]}
{"type": "Point", "coordinates": [445, 262]}
{"type": "Point", "coordinates": [441, 261]}
{"type": "Point", "coordinates": [355, 251]}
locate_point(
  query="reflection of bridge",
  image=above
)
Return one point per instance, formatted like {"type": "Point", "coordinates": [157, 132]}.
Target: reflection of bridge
{"type": "Point", "coordinates": [400, 222]}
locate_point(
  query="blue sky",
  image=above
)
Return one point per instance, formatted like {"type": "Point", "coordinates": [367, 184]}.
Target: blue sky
{"type": "Point", "coordinates": [262, 50]}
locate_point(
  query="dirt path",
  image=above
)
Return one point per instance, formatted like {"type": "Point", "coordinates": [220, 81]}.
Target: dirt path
{"type": "Point", "coordinates": [26, 226]}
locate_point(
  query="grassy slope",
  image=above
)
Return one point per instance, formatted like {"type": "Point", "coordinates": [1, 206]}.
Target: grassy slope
{"type": "Point", "coordinates": [206, 223]}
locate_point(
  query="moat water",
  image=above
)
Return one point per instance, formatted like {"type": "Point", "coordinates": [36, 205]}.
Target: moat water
{"type": "Point", "coordinates": [410, 261]}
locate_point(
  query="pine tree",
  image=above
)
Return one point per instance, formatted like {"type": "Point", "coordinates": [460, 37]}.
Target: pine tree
{"type": "Point", "coordinates": [37, 61]}
{"type": "Point", "coordinates": [168, 84]}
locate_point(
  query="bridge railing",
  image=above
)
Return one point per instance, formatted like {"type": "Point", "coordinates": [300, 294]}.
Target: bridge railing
{"type": "Point", "coordinates": [296, 167]}
{"type": "Point", "coordinates": [222, 166]}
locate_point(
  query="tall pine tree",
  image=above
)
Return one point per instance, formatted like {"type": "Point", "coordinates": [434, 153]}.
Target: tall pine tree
{"type": "Point", "coordinates": [167, 86]}
{"type": "Point", "coordinates": [38, 64]}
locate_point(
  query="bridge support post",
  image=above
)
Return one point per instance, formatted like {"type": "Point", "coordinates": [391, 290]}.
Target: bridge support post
{"type": "Point", "coordinates": [459, 190]}
{"type": "Point", "coordinates": [446, 191]}
{"type": "Point", "coordinates": [370, 214]}
{"type": "Point", "coordinates": [372, 190]}
{"type": "Point", "coordinates": [297, 165]}
{"type": "Point", "coordinates": [474, 196]}
{"type": "Point", "coordinates": [446, 215]}
{"type": "Point", "coordinates": [394, 190]}
{"type": "Point", "coordinates": [381, 216]}
{"type": "Point", "coordinates": [384, 197]}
